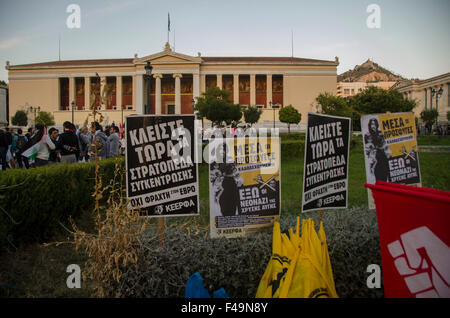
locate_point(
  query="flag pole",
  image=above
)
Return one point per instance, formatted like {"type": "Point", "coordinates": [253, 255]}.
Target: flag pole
{"type": "Point", "coordinates": [168, 26]}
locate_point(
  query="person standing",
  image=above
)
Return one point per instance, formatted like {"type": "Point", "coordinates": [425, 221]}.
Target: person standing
{"type": "Point", "coordinates": [3, 149]}
{"type": "Point", "coordinates": [39, 146]}
{"type": "Point", "coordinates": [85, 138]}
{"type": "Point", "coordinates": [99, 142]}
{"type": "Point", "coordinates": [113, 142]}
{"type": "Point", "coordinates": [9, 139]}
{"type": "Point", "coordinates": [54, 156]}
{"type": "Point", "coordinates": [20, 144]}
{"type": "Point", "coordinates": [68, 144]}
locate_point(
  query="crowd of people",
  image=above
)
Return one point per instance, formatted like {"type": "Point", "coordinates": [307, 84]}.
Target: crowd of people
{"type": "Point", "coordinates": [40, 147]}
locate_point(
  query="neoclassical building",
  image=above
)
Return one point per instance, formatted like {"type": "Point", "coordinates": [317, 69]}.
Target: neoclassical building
{"type": "Point", "coordinates": [176, 80]}
{"type": "Point", "coordinates": [429, 93]}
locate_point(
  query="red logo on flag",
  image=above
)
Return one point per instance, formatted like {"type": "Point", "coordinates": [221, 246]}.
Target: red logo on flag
{"type": "Point", "coordinates": [414, 232]}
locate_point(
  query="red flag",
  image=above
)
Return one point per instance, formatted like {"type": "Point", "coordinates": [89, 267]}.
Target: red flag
{"type": "Point", "coordinates": [120, 130]}
{"type": "Point", "coordinates": [414, 227]}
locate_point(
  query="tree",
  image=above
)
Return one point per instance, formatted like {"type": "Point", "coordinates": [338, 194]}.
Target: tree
{"type": "Point", "coordinates": [374, 100]}
{"type": "Point", "coordinates": [429, 117]}
{"type": "Point", "coordinates": [252, 115]}
{"type": "Point", "coordinates": [338, 106]}
{"type": "Point", "coordinates": [289, 115]}
{"type": "Point", "coordinates": [20, 118]}
{"type": "Point", "coordinates": [214, 105]}
{"type": "Point", "coordinates": [333, 105]}
{"type": "Point", "coordinates": [45, 118]}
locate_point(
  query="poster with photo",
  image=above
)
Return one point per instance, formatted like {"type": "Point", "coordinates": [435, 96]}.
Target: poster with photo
{"type": "Point", "coordinates": [161, 165]}
{"type": "Point", "coordinates": [325, 173]}
{"type": "Point", "coordinates": [390, 149]}
{"type": "Point", "coordinates": [244, 185]}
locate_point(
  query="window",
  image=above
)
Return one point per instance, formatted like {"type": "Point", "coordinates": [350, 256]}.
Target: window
{"type": "Point", "coordinates": [170, 109]}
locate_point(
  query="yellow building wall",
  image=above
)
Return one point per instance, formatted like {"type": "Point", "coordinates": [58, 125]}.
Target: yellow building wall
{"type": "Point", "coordinates": [85, 116]}
{"type": "Point", "coordinates": [33, 92]}
{"type": "Point", "coordinates": [419, 96]}
{"type": "Point", "coordinates": [301, 92]}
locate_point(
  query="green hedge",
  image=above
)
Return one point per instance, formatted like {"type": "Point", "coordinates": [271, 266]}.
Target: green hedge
{"type": "Point", "coordinates": [292, 148]}
{"type": "Point", "coordinates": [238, 264]}
{"type": "Point", "coordinates": [34, 201]}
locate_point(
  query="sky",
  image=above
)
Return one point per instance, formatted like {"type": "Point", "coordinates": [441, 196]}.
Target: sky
{"type": "Point", "coordinates": [412, 39]}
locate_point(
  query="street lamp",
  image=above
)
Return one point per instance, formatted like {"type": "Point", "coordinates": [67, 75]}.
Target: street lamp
{"type": "Point", "coordinates": [34, 110]}
{"type": "Point", "coordinates": [274, 108]}
{"type": "Point", "coordinates": [73, 108]}
{"type": "Point", "coordinates": [438, 94]}
{"type": "Point", "coordinates": [148, 74]}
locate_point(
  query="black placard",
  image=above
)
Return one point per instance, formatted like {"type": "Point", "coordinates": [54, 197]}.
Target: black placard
{"type": "Point", "coordinates": [162, 174]}
{"type": "Point", "coordinates": [325, 174]}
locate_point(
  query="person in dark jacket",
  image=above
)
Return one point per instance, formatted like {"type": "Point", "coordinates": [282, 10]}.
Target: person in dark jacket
{"type": "Point", "coordinates": [3, 149]}
{"type": "Point", "coordinates": [54, 156]}
{"type": "Point", "coordinates": [20, 143]}
{"type": "Point", "coordinates": [68, 144]}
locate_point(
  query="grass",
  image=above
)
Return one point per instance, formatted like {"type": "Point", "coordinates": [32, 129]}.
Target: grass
{"type": "Point", "coordinates": [433, 140]}
{"type": "Point", "coordinates": [40, 271]}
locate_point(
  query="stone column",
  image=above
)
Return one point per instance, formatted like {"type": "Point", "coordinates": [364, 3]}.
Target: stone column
{"type": "Point", "coordinates": [431, 98]}
{"type": "Point", "coordinates": [102, 88]}
{"type": "Point", "coordinates": [177, 77]}
{"type": "Point", "coordinates": [157, 93]}
{"type": "Point", "coordinates": [268, 89]}
{"type": "Point", "coordinates": [219, 81]}
{"type": "Point", "coordinates": [119, 92]}
{"type": "Point", "coordinates": [87, 93]}
{"type": "Point", "coordinates": [252, 90]}
{"type": "Point", "coordinates": [195, 85]}
{"type": "Point", "coordinates": [236, 88]}
{"type": "Point", "coordinates": [71, 92]}
{"type": "Point", "coordinates": [202, 83]}
{"type": "Point", "coordinates": [138, 90]}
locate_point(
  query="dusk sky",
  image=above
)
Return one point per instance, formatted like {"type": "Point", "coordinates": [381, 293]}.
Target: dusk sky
{"type": "Point", "coordinates": [412, 41]}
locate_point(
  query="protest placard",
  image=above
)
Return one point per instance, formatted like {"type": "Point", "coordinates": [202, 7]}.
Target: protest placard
{"type": "Point", "coordinates": [244, 176]}
{"type": "Point", "coordinates": [325, 174]}
{"type": "Point", "coordinates": [162, 174]}
{"type": "Point", "coordinates": [390, 149]}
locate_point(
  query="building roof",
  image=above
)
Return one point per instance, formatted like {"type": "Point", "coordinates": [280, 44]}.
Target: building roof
{"type": "Point", "coordinates": [74, 63]}
{"type": "Point", "coordinates": [262, 59]}
{"type": "Point", "coordinates": [205, 59]}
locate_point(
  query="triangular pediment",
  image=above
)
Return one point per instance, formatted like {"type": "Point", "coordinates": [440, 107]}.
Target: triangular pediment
{"type": "Point", "coordinates": [168, 57]}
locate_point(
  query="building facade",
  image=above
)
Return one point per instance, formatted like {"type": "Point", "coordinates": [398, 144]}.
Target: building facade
{"type": "Point", "coordinates": [429, 93]}
{"type": "Point", "coordinates": [176, 80]}
{"type": "Point", "coordinates": [349, 89]}
{"type": "Point", "coordinates": [4, 108]}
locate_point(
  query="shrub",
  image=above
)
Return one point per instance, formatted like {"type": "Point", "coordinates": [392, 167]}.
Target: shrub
{"type": "Point", "coordinates": [34, 201]}
{"type": "Point", "coordinates": [292, 148]}
{"type": "Point", "coordinates": [20, 118]}
{"type": "Point", "coordinates": [238, 264]}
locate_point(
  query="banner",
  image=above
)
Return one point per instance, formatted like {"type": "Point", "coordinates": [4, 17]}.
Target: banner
{"type": "Point", "coordinates": [162, 174]}
{"type": "Point", "coordinates": [244, 185]}
{"type": "Point", "coordinates": [325, 173]}
{"type": "Point", "coordinates": [390, 149]}
{"type": "Point", "coordinates": [414, 232]}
